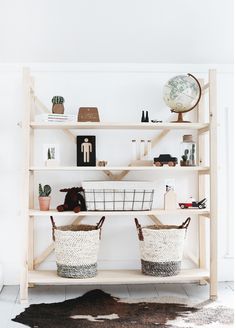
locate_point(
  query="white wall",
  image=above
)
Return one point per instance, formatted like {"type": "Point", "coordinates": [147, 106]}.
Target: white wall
{"type": "Point", "coordinates": [158, 31]}
{"type": "Point", "coordinates": [120, 91]}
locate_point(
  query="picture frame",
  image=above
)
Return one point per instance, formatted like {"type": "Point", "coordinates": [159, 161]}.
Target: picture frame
{"type": "Point", "coordinates": [51, 154]}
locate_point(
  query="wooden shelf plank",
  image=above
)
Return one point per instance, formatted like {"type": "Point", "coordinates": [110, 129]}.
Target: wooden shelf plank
{"type": "Point", "coordinates": [36, 212]}
{"type": "Point", "coordinates": [121, 168]}
{"type": "Point", "coordinates": [118, 126]}
{"type": "Point", "coordinates": [112, 277]}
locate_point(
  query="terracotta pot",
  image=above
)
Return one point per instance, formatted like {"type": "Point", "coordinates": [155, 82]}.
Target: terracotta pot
{"type": "Point", "coordinates": [44, 203]}
{"type": "Point", "coordinates": [58, 109]}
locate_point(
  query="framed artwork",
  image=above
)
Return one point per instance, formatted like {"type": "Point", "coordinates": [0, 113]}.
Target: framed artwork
{"type": "Point", "coordinates": [51, 154]}
{"type": "Point", "coordinates": [86, 151]}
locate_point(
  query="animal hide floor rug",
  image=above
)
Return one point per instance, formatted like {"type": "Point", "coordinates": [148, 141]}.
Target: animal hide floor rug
{"type": "Point", "coordinates": [99, 309]}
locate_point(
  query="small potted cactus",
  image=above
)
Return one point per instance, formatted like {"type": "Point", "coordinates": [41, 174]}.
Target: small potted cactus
{"type": "Point", "coordinates": [44, 197]}
{"type": "Point", "coordinates": [58, 107]}
{"type": "Point", "coordinates": [185, 161]}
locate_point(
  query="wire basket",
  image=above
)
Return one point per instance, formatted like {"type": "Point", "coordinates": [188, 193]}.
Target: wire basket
{"type": "Point", "coordinates": [118, 195]}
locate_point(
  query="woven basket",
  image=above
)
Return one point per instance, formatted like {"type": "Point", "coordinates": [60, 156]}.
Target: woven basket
{"type": "Point", "coordinates": [161, 248]}
{"type": "Point", "coordinates": [76, 249]}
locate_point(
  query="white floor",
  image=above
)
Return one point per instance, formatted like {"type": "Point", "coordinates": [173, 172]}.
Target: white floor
{"type": "Point", "coordinates": [10, 307]}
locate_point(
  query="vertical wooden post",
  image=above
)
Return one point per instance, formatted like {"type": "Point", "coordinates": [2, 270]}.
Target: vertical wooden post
{"type": "Point", "coordinates": [213, 183]}
{"type": "Point", "coordinates": [31, 182]}
{"type": "Point", "coordinates": [25, 191]}
{"type": "Point", "coordinates": [201, 187]}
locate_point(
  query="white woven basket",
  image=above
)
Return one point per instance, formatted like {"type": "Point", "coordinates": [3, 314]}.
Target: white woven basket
{"type": "Point", "coordinates": [76, 249]}
{"type": "Point", "coordinates": [161, 248]}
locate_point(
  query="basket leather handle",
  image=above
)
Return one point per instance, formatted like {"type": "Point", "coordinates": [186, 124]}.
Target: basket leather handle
{"type": "Point", "coordinates": [139, 229]}
{"type": "Point", "coordinates": [53, 228]}
{"type": "Point", "coordinates": [185, 224]}
{"type": "Point", "coordinates": [100, 223]}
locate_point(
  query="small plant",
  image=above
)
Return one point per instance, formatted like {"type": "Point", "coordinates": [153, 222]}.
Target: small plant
{"type": "Point", "coordinates": [192, 155]}
{"type": "Point", "coordinates": [57, 100]}
{"type": "Point", "coordinates": [44, 191]}
{"type": "Point", "coordinates": [184, 158]}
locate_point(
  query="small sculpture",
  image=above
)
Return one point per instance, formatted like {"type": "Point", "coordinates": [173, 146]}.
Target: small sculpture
{"type": "Point", "coordinates": [165, 159]}
{"type": "Point", "coordinates": [191, 203]}
{"type": "Point", "coordinates": [74, 200]}
{"type": "Point", "coordinates": [58, 107]}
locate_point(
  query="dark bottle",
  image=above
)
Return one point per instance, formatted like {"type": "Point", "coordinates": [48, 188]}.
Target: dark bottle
{"type": "Point", "coordinates": [143, 117]}
{"type": "Point", "coordinates": [147, 117]}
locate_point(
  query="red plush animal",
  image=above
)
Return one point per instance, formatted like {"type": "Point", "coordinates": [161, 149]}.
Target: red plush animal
{"type": "Point", "coordinates": [74, 200]}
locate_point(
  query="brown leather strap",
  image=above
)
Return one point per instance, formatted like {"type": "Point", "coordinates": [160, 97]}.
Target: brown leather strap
{"type": "Point", "coordinates": [185, 224]}
{"type": "Point", "coordinates": [139, 229]}
{"type": "Point", "coordinates": [53, 228]}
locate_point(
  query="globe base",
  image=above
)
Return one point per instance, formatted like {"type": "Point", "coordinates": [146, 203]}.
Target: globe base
{"type": "Point", "coordinates": [180, 119]}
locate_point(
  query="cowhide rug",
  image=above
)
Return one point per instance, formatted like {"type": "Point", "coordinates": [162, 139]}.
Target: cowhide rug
{"type": "Point", "coordinates": [99, 309]}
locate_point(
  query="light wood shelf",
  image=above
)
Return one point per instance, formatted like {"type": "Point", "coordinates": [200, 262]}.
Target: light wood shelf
{"type": "Point", "coordinates": [112, 277]}
{"type": "Point", "coordinates": [122, 168]}
{"type": "Point", "coordinates": [184, 212]}
{"type": "Point", "coordinates": [30, 262]}
{"type": "Point", "coordinates": [118, 126]}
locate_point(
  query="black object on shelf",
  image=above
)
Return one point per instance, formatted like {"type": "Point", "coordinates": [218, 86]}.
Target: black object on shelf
{"type": "Point", "coordinates": [147, 117]}
{"type": "Point", "coordinates": [86, 151]}
{"type": "Point", "coordinates": [165, 159]}
{"type": "Point", "coordinates": [143, 117]}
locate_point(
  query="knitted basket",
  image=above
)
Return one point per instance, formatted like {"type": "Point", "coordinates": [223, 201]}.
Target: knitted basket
{"type": "Point", "coordinates": [76, 249]}
{"type": "Point", "coordinates": [161, 248]}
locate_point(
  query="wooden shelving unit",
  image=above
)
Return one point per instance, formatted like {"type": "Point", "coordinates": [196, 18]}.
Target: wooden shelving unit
{"type": "Point", "coordinates": [30, 274]}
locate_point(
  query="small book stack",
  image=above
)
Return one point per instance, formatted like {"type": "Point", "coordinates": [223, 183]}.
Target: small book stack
{"type": "Point", "coordinates": [59, 118]}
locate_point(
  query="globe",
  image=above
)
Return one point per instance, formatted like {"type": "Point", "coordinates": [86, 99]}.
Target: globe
{"type": "Point", "coordinates": [181, 94]}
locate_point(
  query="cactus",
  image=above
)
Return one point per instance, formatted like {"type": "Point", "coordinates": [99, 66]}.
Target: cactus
{"type": "Point", "coordinates": [184, 158]}
{"type": "Point", "coordinates": [186, 153]}
{"type": "Point", "coordinates": [57, 100]}
{"type": "Point", "coordinates": [192, 155]}
{"type": "Point", "coordinates": [44, 191]}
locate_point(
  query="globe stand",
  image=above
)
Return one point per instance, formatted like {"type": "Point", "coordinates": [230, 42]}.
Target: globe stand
{"type": "Point", "coordinates": [180, 118]}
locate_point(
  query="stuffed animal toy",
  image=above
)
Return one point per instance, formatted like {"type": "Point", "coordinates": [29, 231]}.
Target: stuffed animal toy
{"type": "Point", "coordinates": [74, 201]}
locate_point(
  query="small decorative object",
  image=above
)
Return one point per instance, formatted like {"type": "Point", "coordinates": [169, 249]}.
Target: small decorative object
{"type": "Point", "coordinates": [143, 119]}
{"type": "Point", "coordinates": [134, 150]}
{"type": "Point", "coordinates": [165, 159]}
{"type": "Point", "coordinates": [44, 197]}
{"type": "Point", "coordinates": [76, 249]}
{"type": "Point", "coordinates": [74, 200]}
{"type": "Point", "coordinates": [193, 204]}
{"type": "Point", "coordinates": [88, 114]}
{"type": "Point", "coordinates": [149, 149]}
{"type": "Point", "coordinates": [118, 195]}
{"type": "Point", "coordinates": [161, 248]}
{"type": "Point", "coordinates": [156, 121]}
{"type": "Point", "coordinates": [170, 199]}
{"type": "Point", "coordinates": [58, 107]}
{"type": "Point", "coordinates": [51, 154]}
{"type": "Point", "coordinates": [188, 151]}
{"type": "Point", "coordinates": [142, 149]}
{"type": "Point", "coordinates": [102, 163]}
{"type": "Point", "coordinates": [182, 94]}
{"type": "Point", "coordinates": [86, 151]}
